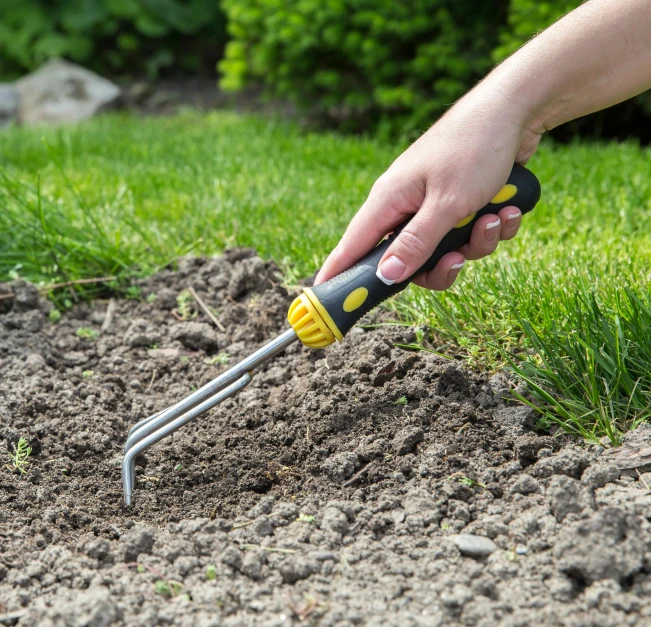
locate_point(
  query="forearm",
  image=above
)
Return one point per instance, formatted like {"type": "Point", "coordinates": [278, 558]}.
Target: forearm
{"type": "Point", "coordinates": [595, 57]}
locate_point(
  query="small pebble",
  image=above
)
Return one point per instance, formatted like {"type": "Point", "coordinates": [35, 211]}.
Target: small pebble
{"type": "Point", "coordinates": [474, 546]}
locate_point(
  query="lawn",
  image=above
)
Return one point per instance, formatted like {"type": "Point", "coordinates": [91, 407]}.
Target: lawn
{"type": "Point", "coordinates": [567, 302]}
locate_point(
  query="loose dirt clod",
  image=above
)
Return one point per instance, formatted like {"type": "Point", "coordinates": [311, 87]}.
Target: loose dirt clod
{"type": "Point", "coordinates": [312, 497]}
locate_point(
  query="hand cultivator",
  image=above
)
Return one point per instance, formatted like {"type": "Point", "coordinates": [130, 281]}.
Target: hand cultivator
{"type": "Point", "coordinates": [318, 317]}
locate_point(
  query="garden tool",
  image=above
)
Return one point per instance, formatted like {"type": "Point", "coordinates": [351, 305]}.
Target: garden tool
{"type": "Point", "coordinates": [318, 317]}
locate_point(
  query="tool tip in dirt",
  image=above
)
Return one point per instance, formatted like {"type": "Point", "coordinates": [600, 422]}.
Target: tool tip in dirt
{"type": "Point", "coordinates": [153, 429]}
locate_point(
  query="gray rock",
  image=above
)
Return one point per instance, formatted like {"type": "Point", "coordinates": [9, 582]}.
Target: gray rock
{"type": "Point", "coordinates": [137, 540]}
{"type": "Point", "coordinates": [405, 441]}
{"type": "Point", "coordinates": [60, 91]}
{"type": "Point", "coordinates": [609, 545]}
{"type": "Point", "coordinates": [598, 475]}
{"type": "Point", "coordinates": [341, 466]}
{"type": "Point", "coordinates": [525, 484]}
{"type": "Point", "coordinates": [9, 101]}
{"type": "Point", "coordinates": [196, 336]}
{"type": "Point", "coordinates": [474, 546]}
{"type": "Point", "coordinates": [74, 358]}
{"type": "Point", "coordinates": [567, 495]}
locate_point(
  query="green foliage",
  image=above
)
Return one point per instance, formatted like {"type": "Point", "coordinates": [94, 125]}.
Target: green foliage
{"type": "Point", "coordinates": [87, 333]}
{"type": "Point", "coordinates": [20, 456]}
{"type": "Point", "coordinates": [111, 36]}
{"type": "Point", "coordinates": [526, 18]}
{"type": "Point", "coordinates": [362, 63]}
{"type": "Point", "coordinates": [592, 375]}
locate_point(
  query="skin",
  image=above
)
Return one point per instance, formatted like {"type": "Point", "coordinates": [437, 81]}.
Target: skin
{"type": "Point", "coordinates": [593, 58]}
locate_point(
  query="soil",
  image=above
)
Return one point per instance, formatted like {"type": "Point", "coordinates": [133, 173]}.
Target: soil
{"type": "Point", "coordinates": [360, 485]}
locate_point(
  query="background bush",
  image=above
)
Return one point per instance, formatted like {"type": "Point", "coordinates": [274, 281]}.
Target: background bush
{"type": "Point", "coordinates": [360, 63]}
{"type": "Point", "coordinates": [112, 36]}
{"type": "Point", "coordinates": [353, 64]}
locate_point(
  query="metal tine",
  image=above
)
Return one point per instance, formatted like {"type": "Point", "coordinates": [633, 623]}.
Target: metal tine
{"type": "Point", "coordinates": [129, 461]}
{"type": "Point", "coordinates": [149, 425]}
{"type": "Point", "coordinates": [152, 429]}
{"type": "Point", "coordinates": [139, 424]}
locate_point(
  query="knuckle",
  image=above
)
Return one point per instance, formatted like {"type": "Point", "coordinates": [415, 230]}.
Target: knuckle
{"type": "Point", "coordinates": [412, 244]}
{"type": "Point", "coordinates": [450, 202]}
{"type": "Point", "coordinates": [384, 186]}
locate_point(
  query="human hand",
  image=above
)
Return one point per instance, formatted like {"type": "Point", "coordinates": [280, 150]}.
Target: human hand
{"type": "Point", "coordinates": [449, 173]}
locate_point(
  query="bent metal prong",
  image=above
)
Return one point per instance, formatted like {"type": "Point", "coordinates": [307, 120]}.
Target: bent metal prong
{"type": "Point", "coordinates": [319, 316]}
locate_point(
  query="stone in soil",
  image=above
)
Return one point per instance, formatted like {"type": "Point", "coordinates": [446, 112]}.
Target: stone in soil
{"type": "Point", "coordinates": [309, 498]}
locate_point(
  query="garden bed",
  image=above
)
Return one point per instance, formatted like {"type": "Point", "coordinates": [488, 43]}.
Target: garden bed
{"type": "Point", "coordinates": [338, 488]}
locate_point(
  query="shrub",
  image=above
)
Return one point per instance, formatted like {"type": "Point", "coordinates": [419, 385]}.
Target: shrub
{"type": "Point", "coordinates": [112, 36]}
{"type": "Point", "coordinates": [526, 18]}
{"type": "Point", "coordinates": [362, 63]}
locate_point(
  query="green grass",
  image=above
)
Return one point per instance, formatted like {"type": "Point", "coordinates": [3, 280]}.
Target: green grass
{"type": "Point", "coordinates": [567, 302]}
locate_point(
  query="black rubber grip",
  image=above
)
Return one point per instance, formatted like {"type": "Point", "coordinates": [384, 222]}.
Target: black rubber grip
{"type": "Point", "coordinates": [353, 293]}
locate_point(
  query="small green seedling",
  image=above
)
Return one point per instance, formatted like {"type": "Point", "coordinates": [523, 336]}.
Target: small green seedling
{"type": "Point", "coordinates": [20, 456]}
{"type": "Point", "coordinates": [211, 572]}
{"type": "Point", "coordinates": [168, 587]}
{"type": "Point", "coordinates": [87, 374]}
{"type": "Point", "coordinates": [401, 401]}
{"type": "Point", "coordinates": [54, 316]}
{"type": "Point", "coordinates": [471, 483]}
{"type": "Point", "coordinates": [305, 518]}
{"type": "Point", "coordinates": [222, 358]}
{"type": "Point", "coordinates": [133, 292]}
{"type": "Point", "coordinates": [178, 467]}
{"type": "Point", "coordinates": [184, 305]}
{"type": "Point", "coordinates": [445, 527]}
{"type": "Point", "coordinates": [184, 359]}
{"type": "Point", "coordinates": [152, 297]}
{"type": "Point", "coordinates": [86, 333]}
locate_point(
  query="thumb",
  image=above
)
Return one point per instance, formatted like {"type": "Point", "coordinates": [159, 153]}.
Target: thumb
{"type": "Point", "coordinates": [415, 244]}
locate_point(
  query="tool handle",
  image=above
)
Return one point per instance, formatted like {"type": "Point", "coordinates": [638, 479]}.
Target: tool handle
{"type": "Point", "coordinates": [353, 293]}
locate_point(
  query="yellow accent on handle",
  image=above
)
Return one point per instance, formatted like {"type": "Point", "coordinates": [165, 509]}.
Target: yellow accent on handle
{"type": "Point", "coordinates": [323, 312]}
{"type": "Point", "coordinates": [308, 324]}
{"type": "Point", "coordinates": [355, 299]}
{"type": "Point", "coordinates": [506, 193]}
{"type": "Point", "coordinates": [465, 221]}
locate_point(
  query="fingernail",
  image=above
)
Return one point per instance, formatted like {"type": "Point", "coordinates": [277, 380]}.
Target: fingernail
{"type": "Point", "coordinates": [390, 270]}
{"type": "Point", "coordinates": [455, 268]}
{"type": "Point", "coordinates": [491, 232]}
{"type": "Point", "coordinates": [515, 215]}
